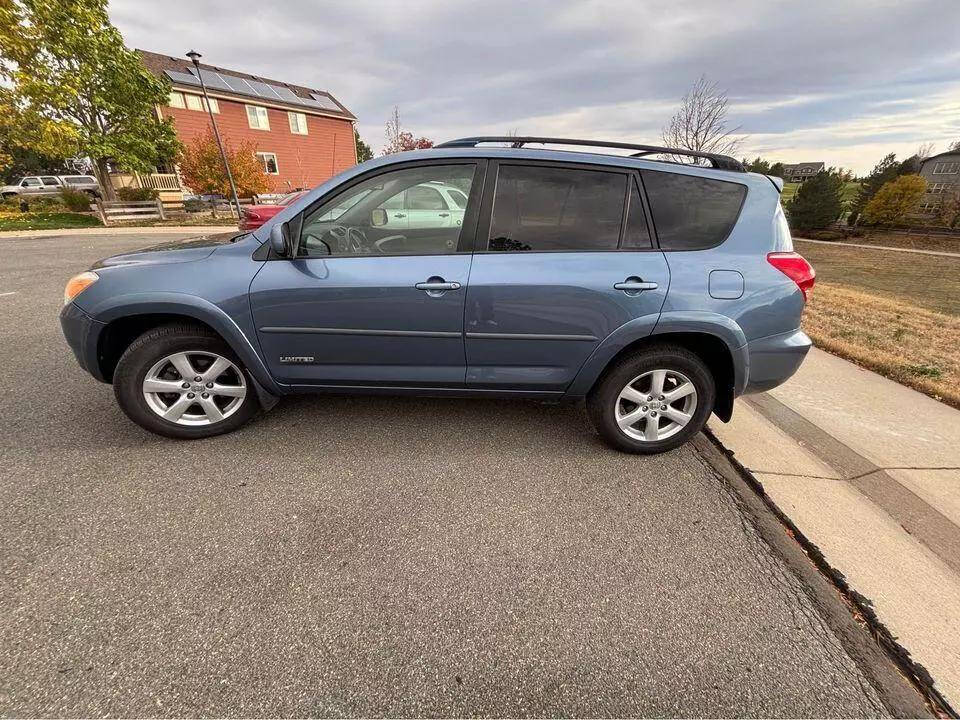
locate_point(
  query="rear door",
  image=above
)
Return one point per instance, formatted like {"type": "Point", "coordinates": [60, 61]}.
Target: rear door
{"type": "Point", "coordinates": [564, 257]}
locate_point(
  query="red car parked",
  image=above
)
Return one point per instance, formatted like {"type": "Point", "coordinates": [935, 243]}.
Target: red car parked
{"type": "Point", "coordinates": [256, 215]}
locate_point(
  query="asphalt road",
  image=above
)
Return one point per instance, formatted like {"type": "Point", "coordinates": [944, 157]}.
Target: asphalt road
{"type": "Point", "coordinates": [368, 556]}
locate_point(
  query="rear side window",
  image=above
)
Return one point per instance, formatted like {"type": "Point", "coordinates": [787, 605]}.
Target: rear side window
{"type": "Point", "coordinates": [542, 209]}
{"type": "Point", "coordinates": [691, 212]}
{"type": "Point", "coordinates": [636, 236]}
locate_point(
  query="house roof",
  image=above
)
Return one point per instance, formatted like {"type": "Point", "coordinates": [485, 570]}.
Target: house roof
{"type": "Point", "coordinates": [162, 64]}
{"type": "Point", "coordinates": [954, 153]}
{"type": "Point", "coordinates": [798, 166]}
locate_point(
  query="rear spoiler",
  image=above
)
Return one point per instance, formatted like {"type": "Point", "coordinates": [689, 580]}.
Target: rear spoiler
{"type": "Point", "coordinates": [777, 182]}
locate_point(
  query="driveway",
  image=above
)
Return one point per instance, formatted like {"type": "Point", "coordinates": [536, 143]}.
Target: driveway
{"type": "Point", "coordinates": [379, 556]}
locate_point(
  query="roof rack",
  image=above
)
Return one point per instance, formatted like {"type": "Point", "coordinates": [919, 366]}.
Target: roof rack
{"type": "Point", "coordinates": [720, 162]}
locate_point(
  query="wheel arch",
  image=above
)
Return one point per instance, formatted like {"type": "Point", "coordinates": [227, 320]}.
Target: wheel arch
{"type": "Point", "coordinates": [720, 344]}
{"type": "Point", "coordinates": [125, 320]}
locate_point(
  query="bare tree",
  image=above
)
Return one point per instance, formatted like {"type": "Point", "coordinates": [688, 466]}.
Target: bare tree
{"type": "Point", "coordinates": [392, 131]}
{"type": "Point", "coordinates": [924, 151]}
{"type": "Point", "coordinates": [954, 146]}
{"type": "Point", "coordinates": [701, 123]}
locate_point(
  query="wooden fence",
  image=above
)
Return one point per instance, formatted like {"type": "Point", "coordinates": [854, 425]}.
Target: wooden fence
{"type": "Point", "coordinates": [113, 211]}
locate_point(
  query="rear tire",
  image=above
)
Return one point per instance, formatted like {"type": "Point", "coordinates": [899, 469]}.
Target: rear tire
{"type": "Point", "coordinates": [156, 383]}
{"type": "Point", "coordinates": [626, 406]}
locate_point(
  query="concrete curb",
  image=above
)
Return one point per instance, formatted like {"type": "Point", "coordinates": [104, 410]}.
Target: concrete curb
{"type": "Point", "coordinates": [148, 230]}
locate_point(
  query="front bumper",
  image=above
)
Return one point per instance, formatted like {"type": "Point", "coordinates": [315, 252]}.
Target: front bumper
{"type": "Point", "coordinates": [82, 334]}
{"type": "Point", "coordinates": [774, 359]}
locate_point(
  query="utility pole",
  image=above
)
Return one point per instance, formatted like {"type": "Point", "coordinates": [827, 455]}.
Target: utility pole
{"type": "Point", "coordinates": [195, 57]}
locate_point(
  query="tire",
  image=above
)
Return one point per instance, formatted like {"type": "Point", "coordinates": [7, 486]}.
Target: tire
{"type": "Point", "coordinates": [633, 376]}
{"type": "Point", "coordinates": [150, 353]}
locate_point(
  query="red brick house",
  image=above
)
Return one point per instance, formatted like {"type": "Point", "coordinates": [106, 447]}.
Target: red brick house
{"type": "Point", "coordinates": [302, 136]}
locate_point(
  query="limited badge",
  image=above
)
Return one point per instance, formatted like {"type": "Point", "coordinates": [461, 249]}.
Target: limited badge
{"type": "Point", "coordinates": [296, 359]}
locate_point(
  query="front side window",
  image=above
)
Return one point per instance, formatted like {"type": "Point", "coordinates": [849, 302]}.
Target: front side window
{"type": "Point", "coordinates": [543, 209]}
{"type": "Point", "coordinates": [298, 123]}
{"type": "Point", "coordinates": [395, 213]}
{"type": "Point", "coordinates": [692, 212]}
{"type": "Point", "coordinates": [268, 161]}
{"type": "Point", "coordinates": [31, 182]}
{"type": "Point", "coordinates": [257, 117]}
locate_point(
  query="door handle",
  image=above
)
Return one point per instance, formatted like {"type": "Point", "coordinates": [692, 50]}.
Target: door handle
{"type": "Point", "coordinates": [399, 215]}
{"type": "Point", "coordinates": [634, 286]}
{"type": "Point", "coordinates": [432, 286]}
{"type": "Point", "coordinates": [444, 215]}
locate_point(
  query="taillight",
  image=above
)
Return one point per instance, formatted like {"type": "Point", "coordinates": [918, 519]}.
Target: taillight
{"type": "Point", "coordinates": [795, 267]}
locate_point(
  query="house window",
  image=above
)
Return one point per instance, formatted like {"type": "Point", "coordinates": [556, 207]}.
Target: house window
{"type": "Point", "coordinates": [176, 100]}
{"type": "Point", "coordinates": [257, 117]}
{"type": "Point", "coordinates": [945, 168]}
{"type": "Point", "coordinates": [193, 102]}
{"type": "Point", "coordinates": [268, 161]}
{"type": "Point", "coordinates": [938, 187]}
{"type": "Point", "coordinates": [298, 123]}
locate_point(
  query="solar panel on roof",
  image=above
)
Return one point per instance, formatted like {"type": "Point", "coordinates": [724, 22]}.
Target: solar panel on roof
{"type": "Point", "coordinates": [325, 102]}
{"type": "Point", "coordinates": [239, 85]}
{"type": "Point", "coordinates": [286, 94]}
{"type": "Point", "coordinates": [182, 78]}
{"type": "Point", "coordinates": [213, 80]}
{"type": "Point", "coordinates": [264, 90]}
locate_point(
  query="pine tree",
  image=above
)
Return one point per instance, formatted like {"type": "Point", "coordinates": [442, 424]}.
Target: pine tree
{"type": "Point", "coordinates": [818, 202]}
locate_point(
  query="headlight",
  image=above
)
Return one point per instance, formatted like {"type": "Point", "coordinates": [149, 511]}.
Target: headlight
{"type": "Point", "coordinates": [77, 284]}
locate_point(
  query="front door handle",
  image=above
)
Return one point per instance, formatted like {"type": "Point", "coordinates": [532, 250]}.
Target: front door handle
{"type": "Point", "coordinates": [634, 285]}
{"type": "Point", "coordinates": [399, 215]}
{"type": "Point", "coordinates": [437, 286]}
{"type": "Point", "coordinates": [444, 215]}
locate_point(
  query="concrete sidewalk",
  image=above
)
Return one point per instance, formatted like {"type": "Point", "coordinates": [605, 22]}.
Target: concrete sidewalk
{"type": "Point", "coordinates": [836, 243]}
{"type": "Point", "coordinates": [869, 471]}
{"type": "Point", "coordinates": [122, 230]}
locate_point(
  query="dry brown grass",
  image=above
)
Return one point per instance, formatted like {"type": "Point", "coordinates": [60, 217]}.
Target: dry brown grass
{"type": "Point", "coordinates": [905, 342]}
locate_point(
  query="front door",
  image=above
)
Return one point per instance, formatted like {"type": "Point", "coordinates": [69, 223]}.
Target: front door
{"type": "Point", "coordinates": [566, 260]}
{"type": "Point", "coordinates": [367, 303]}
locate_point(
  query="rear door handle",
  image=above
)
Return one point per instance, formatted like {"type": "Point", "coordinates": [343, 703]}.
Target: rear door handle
{"type": "Point", "coordinates": [444, 214]}
{"type": "Point", "coordinates": [399, 215]}
{"type": "Point", "coordinates": [434, 286]}
{"type": "Point", "coordinates": [634, 285]}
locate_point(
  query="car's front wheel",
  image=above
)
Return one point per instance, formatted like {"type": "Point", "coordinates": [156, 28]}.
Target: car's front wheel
{"type": "Point", "coordinates": [653, 400]}
{"type": "Point", "coordinates": [184, 382]}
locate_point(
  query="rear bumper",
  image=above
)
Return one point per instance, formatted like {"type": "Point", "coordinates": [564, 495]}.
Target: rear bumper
{"type": "Point", "coordinates": [82, 334]}
{"type": "Point", "coordinates": [774, 359]}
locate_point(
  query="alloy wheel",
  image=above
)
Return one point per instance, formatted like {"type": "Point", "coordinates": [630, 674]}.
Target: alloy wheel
{"type": "Point", "coordinates": [194, 388]}
{"type": "Point", "coordinates": [655, 405]}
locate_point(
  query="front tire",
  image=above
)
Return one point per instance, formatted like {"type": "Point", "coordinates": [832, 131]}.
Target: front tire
{"type": "Point", "coordinates": [653, 400]}
{"type": "Point", "coordinates": [184, 382]}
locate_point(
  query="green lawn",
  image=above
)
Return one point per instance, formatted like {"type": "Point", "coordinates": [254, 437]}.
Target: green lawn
{"type": "Point", "coordinates": [850, 191]}
{"type": "Point", "coordinates": [46, 221]}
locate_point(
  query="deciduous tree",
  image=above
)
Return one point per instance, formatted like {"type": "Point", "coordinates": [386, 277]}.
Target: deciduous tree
{"type": "Point", "coordinates": [400, 140]}
{"type": "Point", "coordinates": [65, 67]}
{"type": "Point", "coordinates": [818, 202]}
{"type": "Point", "coordinates": [202, 168]}
{"type": "Point", "coordinates": [701, 123]}
{"type": "Point", "coordinates": [895, 200]}
{"type": "Point", "coordinates": [884, 171]}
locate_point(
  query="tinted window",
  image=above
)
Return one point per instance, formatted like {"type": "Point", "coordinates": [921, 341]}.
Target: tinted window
{"type": "Point", "coordinates": [691, 212]}
{"type": "Point", "coordinates": [636, 236]}
{"type": "Point", "coordinates": [47, 180]}
{"type": "Point", "coordinates": [547, 208]}
{"type": "Point", "coordinates": [359, 220]}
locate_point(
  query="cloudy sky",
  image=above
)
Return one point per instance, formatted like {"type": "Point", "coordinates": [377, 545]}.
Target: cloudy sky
{"type": "Point", "coordinates": [843, 81]}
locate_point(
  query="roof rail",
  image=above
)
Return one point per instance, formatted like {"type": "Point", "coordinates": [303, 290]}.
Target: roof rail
{"type": "Point", "coordinates": [720, 162]}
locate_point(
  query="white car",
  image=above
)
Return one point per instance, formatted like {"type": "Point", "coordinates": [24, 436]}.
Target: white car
{"type": "Point", "coordinates": [41, 185]}
{"type": "Point", "coordinates": [426, 205]}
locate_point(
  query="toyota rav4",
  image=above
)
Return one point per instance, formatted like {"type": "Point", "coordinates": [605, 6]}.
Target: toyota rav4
{"type": "Point", "coordinates": [655, 290]}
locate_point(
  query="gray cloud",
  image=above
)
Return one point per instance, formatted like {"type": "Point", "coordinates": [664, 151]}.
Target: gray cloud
{"type": "Point", "coordinates": [808, 77]}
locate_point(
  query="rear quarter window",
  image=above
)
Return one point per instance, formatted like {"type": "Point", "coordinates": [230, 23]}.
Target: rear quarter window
{"type": "Point", "coordinates": [692, 212]}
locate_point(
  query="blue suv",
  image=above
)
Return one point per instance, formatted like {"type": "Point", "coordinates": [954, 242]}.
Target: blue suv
{"type": "Point", "coordinates": [655, 290]}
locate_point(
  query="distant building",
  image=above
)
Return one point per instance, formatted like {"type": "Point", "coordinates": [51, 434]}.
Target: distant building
{"type": "Point", "coordinates": [942, 173]}
{"type": "Point", "coordinates": [801, 172]}
{"type": "Point", "coordinates": [302, 136]}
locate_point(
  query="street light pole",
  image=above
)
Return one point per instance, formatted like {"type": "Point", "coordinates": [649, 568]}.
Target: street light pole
{"type": "Point", "coordinates": [195, 57]}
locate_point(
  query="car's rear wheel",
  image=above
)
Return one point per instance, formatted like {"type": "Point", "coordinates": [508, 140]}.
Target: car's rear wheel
{"type": "Point", "coordinates": [184, 382]}
{"type": "Point", "coordinates": [653, 400]}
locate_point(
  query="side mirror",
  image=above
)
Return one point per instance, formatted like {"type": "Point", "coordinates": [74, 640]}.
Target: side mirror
{"type": "Point", "coordinates": [280, 240]}
{"type": "Point", "coordinates": [378, 217]}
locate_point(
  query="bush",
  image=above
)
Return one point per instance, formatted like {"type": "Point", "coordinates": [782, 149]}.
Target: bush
{"type": "Point", "coordinates": [895, 200]}
{"type": "Point", "coordinates": [75, 200]}
{"type": "Point", "coordinates": [194, 205]}
{"type": "Point", "coordinates": [137, 194]}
